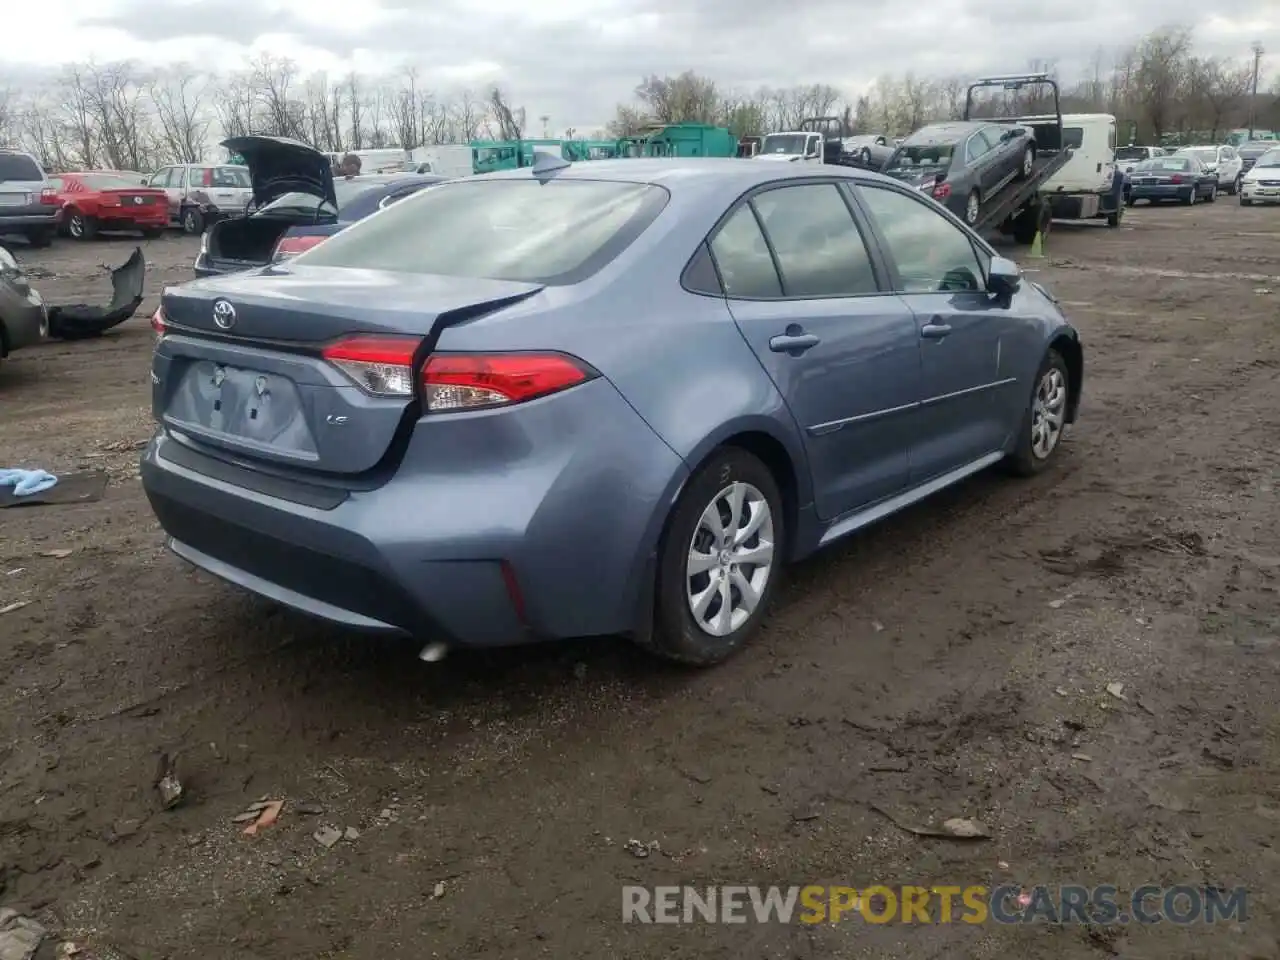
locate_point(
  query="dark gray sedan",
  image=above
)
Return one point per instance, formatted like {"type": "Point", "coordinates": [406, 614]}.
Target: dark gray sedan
{"type": "Point", "coordinates": [24, 319]}
{"type": "Point", "coordinates": [964, 163]}
{"type": "Point", "coordinates": [1183, 178]}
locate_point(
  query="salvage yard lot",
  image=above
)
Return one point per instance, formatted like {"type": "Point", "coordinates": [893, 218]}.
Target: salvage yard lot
{"type": "Point", "coordinates": [967, 645]}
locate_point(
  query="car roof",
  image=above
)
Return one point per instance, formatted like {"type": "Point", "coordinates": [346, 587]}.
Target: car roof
{"type": "Point", "coordinates": [940, 132]}
{"type": "Point", "coordinates": [676, 173]}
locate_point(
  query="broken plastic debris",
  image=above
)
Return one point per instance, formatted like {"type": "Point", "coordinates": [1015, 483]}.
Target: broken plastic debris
{"type": "Point", "coordinates": [1082, 757]}
{"type": "Point", "coordinates": [167, 781]}
{"type": "Point", "coordinates": [438, 891]}
{"type": "Point", "coordinates": [351, 833]}
{"type": "Point", "coordinates": [56, 554]}
{"type": "Point", "coordinates": [14, 606]}
{"type": "Point", "coordinates": [956, 828]}
{"type": "Point", "coordinates": [327, 836]}
{"type": "Point", "coordinates": [638, 849]}
{"type": "Point", "coordinates": [1116, 690]}
{"type": "Point", "coordinates": [20, 936]}
{"type": "Point", "coordinates": [268, 813]}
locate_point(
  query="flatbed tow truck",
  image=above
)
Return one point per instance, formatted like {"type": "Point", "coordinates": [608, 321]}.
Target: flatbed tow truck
{"type": "Point", "coordinates": [1020, 210]}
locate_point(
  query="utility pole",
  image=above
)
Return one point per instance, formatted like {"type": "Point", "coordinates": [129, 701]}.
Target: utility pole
{"type": "Point", "coordinates": [1253, 99]}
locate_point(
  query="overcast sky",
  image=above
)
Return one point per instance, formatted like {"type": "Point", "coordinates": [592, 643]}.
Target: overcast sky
{"type": "Point", "coordinates": [574, 60]}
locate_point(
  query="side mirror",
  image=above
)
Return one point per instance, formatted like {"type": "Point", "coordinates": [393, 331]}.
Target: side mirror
{"type": "Point", "coordinates": [1003, 277]}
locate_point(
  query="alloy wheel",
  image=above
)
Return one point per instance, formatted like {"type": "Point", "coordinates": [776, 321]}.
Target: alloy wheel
{"type": "Point", "coordinates": [730, 559]}
{"type": "Point", "coordinates": [971, 209]}
{"type": "Point", "coordinates": [1048, 413]}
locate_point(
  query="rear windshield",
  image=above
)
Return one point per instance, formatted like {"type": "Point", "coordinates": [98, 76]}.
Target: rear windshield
{"type": "Point", "coordinates": [923, 155]}
{"type": "Point", "coordinates": [15, 166]}
{"type": "Point", "coordinates": [100, 181]}
{"type": "Point", "coordinates": [225, 177]}
{"type": "Point", "coordinates": [1131, 153]}
{"type": "Point", "coordinates": [1175, 164]}
{"type": "Point", "coordinates": [298, 205]}
{"type": "Point", "coordinates": [785, 143]}
{"type": "Point", "coordinates": [552, 232]}
{"type": "Point", "coordinates": [1205, 155]}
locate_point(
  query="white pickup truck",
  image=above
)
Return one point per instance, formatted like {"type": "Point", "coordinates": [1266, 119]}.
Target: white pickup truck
{"type": "Point", "coordinates": [796, 147]}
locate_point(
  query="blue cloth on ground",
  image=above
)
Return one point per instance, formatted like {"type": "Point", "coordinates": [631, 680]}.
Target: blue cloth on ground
{"type": "Point", "coordinates": [27, 482]}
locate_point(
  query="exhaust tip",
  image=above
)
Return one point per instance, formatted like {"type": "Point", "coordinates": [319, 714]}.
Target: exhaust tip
{"type": "Point", "coordinates": [433, 652]}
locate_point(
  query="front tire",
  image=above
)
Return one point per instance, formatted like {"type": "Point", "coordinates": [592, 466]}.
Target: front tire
{"type": "Point", "coordinates": [1213, 194]}
{"type": "Point", "coordinates": [1046, 418]}
{"type": "Point", "coordinates": [192, 222]}
{"type": "Point", "coordinates": [718, 561]}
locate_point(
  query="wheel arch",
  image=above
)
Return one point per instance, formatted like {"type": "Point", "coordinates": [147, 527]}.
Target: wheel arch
{"type": "Point", "coordinates": [1067, 343]}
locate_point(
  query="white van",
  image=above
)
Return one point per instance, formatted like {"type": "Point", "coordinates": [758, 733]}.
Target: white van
{"type": "Point", "coordinates": [1084, 188]}
{"type": "Point", "coordinates": [444, 160]}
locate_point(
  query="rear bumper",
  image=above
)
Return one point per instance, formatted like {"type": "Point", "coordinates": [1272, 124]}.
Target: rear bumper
{"type": "Point", "coordinates": [26, 218]}
{"type": "Point", "coordinates": [496, 529]}
{"type": "Point", "coordinates": [1174, 192]}
{"type": "Point", "coordinates": [136, 219]}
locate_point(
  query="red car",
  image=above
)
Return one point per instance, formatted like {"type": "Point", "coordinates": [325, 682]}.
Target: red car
{"type": "Point", "coordinates": [108, 201]}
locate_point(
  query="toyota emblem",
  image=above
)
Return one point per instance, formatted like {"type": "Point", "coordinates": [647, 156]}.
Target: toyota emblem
{"type": "Point", "coordinates": [224, 314]}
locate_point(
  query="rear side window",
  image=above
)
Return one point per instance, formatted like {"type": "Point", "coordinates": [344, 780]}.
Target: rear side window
{"type": "Point", "coordinates": [224, 177]}
{"type": "Point", "coordinates": [558, 231]}
{"type": "Point", "coordinates": [1073, 137]}
{"type": "Point", "coordinates": [743, 259]}
{"type": "Point", "coordinates": [17, 166]}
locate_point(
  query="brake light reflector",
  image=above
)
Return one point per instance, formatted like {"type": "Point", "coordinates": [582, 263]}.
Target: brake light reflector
{"type": "Point", "coordinates": [941, 192]}
{"type": "Point", "coordinates": [48, 196]}
{"type": "Point", "coordinates": [382, 366]}
{"type": "Point", "coordinates": [292, 246]}
{"type": "Point", "coordinates": [467, 381]}
{"type": "Point", "coordinates": [1176, 178]}
{"type": "Point", "coordinates": [158, 323]}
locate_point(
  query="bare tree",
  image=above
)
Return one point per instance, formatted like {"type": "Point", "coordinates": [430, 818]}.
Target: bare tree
{"type": "Point", "coordinates": [1162, 72]}
{"type": "Point", "coordinates": [182, 114]}
{"type": "Point", "coordinates": [510, 123]}
{"type": "Point", "coordinates": [1220, 90]}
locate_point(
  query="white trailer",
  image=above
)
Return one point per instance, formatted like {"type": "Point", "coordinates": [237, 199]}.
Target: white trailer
{"type": "Point", "coordinates": [445, 160]}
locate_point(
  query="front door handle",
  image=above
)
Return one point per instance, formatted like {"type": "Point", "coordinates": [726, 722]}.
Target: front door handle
{"type": "Point", "coordinates": [935, 330]}
{"type": "Point", "coordinates": [793, 343]}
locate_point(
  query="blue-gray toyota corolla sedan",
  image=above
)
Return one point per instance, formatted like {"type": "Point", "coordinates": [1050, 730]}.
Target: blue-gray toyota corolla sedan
{"type": "Point", "coordinates": [603, 398]}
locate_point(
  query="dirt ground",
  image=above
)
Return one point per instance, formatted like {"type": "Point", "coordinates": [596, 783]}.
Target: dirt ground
{"type": "Point", "coordinates": [967, 645]}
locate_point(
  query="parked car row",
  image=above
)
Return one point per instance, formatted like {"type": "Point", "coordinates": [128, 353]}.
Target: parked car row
{"type": "Point", "coordinates": [1191, 174]}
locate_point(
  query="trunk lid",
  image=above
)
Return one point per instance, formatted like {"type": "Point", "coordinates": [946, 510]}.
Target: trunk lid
{"type": "Point", "coordinates": [239, 367]}
{"type": "Point", "coordinates": [136, 196]}
{"type": "Point", "coordinates": [278, 165]}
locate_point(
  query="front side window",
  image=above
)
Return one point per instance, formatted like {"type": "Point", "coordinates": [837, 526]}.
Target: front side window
{"type": "Point", "coordinates": [819, 249]}
{"type": "Point", "coordinates": [557, 231]}
{"type": "Point", "coordinates": [932, 254]}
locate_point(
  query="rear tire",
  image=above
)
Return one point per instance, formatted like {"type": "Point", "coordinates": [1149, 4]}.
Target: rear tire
{"type": "Point", "coordinates": [1213, 194]}
{"type": "Point", "coordinates": [973, 208]}
{"type": "Point", "coordinates": [1045, 420]}
{"type": "Point", "coordinates": [1113, 219]}
{"type": "Point", "coordinates": [1191, 198]}
{"type": "Point", "coordinates": [152, 233]}
{"type": "Point", "coordinates": [80, 226]}
{"type": "Point", "coordinates": [704, 585]}
{"type": "Point", "coordinates": [39, 239]}
{"type": "Point", "coordinates": [192, 222]}
{"type": "Point", "coordinates": [1028, 164]}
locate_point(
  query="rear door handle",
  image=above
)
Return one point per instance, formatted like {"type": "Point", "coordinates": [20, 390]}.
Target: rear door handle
{"type": "Point", "coordinates": [793, 343]}
{"type": "Point", "coordinates": [935, 331]}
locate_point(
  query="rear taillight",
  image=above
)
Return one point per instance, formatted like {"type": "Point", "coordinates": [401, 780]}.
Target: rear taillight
{"type": "Point", "coordinates": [158, 323]}
{"type": "Point", "coordinates": [382, 366]}
{"type": "Point", "coordinates": [942, 191]}
{"type": "Point", "coordinates": [49, 196]}
{"type": "Point", "coordinates": [1176, 178]}
{"type": "Point", "coordinates": [292, 246]}
{"type": "Point", "coordinates": [466, 381]}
